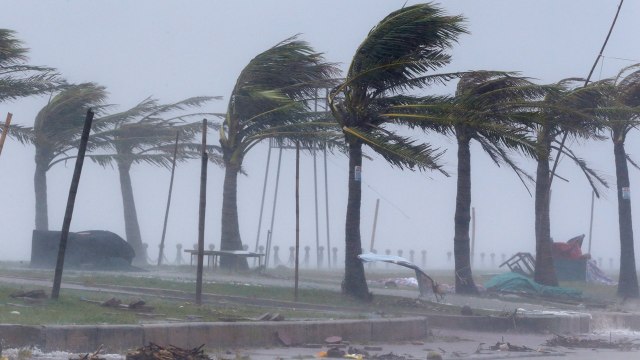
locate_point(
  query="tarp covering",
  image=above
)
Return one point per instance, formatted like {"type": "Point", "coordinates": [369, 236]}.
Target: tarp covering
{"type": "Point", "coordinates": [516, 283]}
{"type": "Point", "coordinates": [596, 275]}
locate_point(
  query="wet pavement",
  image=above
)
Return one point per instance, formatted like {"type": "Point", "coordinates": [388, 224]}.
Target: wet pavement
{"type": "Point", "coordinates": [451, 344]}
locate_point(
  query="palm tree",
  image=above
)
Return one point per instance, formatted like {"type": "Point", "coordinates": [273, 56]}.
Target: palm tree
{"type": "Point", "coordinates": [56, 132]}
{"type": "Point", "coordinates": [19, 79]}
{"type": "Point", "coordinates": [491, 108]}
{"type": "Point", "coordinates": [621, 115]}
{"type": "Point", "coordinates": [395, 56]}
{"type": "Point", "coordinates": [269, 100]}
{"type": "Point", "coordinates": [568, 110]}
{"type": "Point", "coordinates": [143, 134]}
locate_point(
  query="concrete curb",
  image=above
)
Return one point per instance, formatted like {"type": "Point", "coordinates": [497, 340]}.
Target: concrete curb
{"type": "Point", "coordinates": [119, 338]}
{"type": "Point", "coordinates": [565, 323]}
{"type": "Point", "coordinates": [607, 321]}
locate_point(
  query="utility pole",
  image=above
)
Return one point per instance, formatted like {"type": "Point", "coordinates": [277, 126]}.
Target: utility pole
{"type": "Point", "coordinates": [166, 213]}
{"type": "Point", "coordinates": [203, 206]}
{"type": "Point", "coordinates": [375, 223]}
{"type": "Point", "coordinates": [71, 200]}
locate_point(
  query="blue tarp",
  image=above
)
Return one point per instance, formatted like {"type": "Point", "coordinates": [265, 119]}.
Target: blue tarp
{"type": "Point", "coordinates": [517, 283]}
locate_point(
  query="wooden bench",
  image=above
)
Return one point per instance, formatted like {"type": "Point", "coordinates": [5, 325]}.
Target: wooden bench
{"type": "Point", "coordinates": [214, 255]}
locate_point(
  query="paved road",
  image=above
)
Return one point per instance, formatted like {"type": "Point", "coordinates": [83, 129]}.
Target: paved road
{"type": "Point", "coordinates": [451, 343]}
{"type": "Point", "coordinates": [464, 344]}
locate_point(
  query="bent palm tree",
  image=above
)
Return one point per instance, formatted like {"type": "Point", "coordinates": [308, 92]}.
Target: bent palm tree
{"type": "Point", "coordinates": [569, 110]}
{"type": "Point", "coordinates": [488, 107]}
{"type": "Point", "coordinates": [395, 56]}
{"type": "Point", "coordinates": [17, 78]}
{"type": "Point", "coordinates": [268, 101]}
{"type": "Point", "coordinates": [143, 134]}
{"type": "Point", "coordinates": [621, 114]}
{"type": "Point", "coordinates": [56, 132]}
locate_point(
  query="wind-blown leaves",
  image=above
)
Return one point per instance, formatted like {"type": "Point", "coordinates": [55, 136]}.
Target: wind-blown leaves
{"type": "Point", "coordinates": [17, 78]}
{"type": "Point", "coordinates": [274, 90]}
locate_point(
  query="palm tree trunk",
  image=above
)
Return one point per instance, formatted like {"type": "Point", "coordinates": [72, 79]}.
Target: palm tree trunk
{"type": "Point", "coordinates": [628, 281]}
{"type": "Point", "coordinates": [354, 283]}
{"type": "Point", "coordinates": [461, 241]}
{"type": "Point", "coordinates": [40, 187]}
{"type": "Point", "coordinates": [230, 228]}
{"type": "Point", "coordinates": [545, 271]}
{"type": "Point", "coordinates": [131, 226]}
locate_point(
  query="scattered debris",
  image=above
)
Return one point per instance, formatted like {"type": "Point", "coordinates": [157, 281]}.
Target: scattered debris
{"type": "Point", "coordinates": [466, 310]}
{"type": "Point", "coordinates": [157, 352]}
{"type": "Point", "coordinates": [33, 294]}
{"type": "Point", "coordinates": [269, 317]}
{"type": "Point", "coordinates": [356, 351]}
{"type": "Point", "coordinates": [505, 346]}
{"type": "Point", "coordinates": [333, 340]}
{"type": "Point", "coordinates": [576, 342]}
{"type": "Point", "coordinates": [94, 356]}
{"type": "Point", "coordinates": [115, 303]}
{"type": "Point", "coordinates": [284, 338]}
{"type": "Point", "coordinates": [137, 304]}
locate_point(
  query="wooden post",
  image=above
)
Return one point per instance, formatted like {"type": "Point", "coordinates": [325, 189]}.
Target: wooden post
{"type": "Point", "coordinates": [5, 130]}
{"type": "Point", "coordinates": [297, 217]}
{"type": "Point", "coordinates": [326, 205]}
{"type": "Point", "coordinates": [203, 206]}
{"type": "Point", "coordinates": [264, 191]}
{"type": "Point", "coordinates": [166, 213]}
{"type": "Point", "coordinates": [375, 223]}
{"type": "Point", "coordinates": [593, 195]}
{"type": "Point", "coordinates": [71, 200]}
{"type": "Point", "coordinates": [473, 233]}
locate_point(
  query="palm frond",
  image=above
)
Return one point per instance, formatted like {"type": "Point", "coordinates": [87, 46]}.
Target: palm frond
{"type": "Point", "coordinates": [399, 151]}
{"type": "Point", "coordinates": [402, 47]}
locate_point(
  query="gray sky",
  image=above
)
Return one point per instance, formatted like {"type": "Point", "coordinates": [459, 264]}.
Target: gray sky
{"type": "Point", "coordinates": [173, 50]}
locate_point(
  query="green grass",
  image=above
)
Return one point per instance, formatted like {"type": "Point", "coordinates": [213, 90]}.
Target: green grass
{"type": "Point", "coordinates": [71, 309]}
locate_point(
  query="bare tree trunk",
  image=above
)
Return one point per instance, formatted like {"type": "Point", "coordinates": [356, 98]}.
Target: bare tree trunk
{"type": "Point", "coordinates": [230, 228]}
{"type": "Point", "coordinates": [131, 226]}
{"type": "Point", "coordinates": [461, 241]}
{"type": "Point", "coordinates": [545, 271]}
{"type": "Point", "coordinates": [40, 187]}
{"type": "Point", "coordinates": [628, 281]}
{"type": "Point", "coordinates": [354, 283]}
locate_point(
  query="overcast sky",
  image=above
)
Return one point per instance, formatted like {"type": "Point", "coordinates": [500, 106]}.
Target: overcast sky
{"type": "Point", "coordinates": [174, 50]}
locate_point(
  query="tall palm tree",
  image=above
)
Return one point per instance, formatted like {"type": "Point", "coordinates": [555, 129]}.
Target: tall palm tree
{"type": "Point", "coordinates": [569, 110]}
{"type": "Point", "coordinates": [18, 78]}
{"type": "Point", "coordinates": [56, 132]}
{"type": "Point", "coordinates": [143, 134]}
{"type": "Point", "coordinates": [269, 100]}
{"type": "Point", "coordinates": [395, 56]}
{"type": "Point", "coordinates": [621, 114]}
{"type": "Point", "coordinates": [491, 108]}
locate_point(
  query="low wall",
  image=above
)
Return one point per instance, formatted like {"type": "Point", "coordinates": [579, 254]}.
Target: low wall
{"type": "Point", "coordinates": [119, 338]}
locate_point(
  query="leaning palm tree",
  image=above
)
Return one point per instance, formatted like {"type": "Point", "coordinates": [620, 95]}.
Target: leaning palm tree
{"type": "Point", "coordinates": [569, 111]}
{"type": "Point", "coordinates": [493, 109]}
{"type": "Point", "coordinates": [269, 101]}
{"type": "Point", "coordinates": [395, 56]}
{"type": "Point", "coordinates": [19, 79]}
{"type": "Point", "coordinates": [56, 132]}
{"type": "Point", "coordinates": [621, 114]}
{"type": "Point", "coordinates": [143, 134]}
